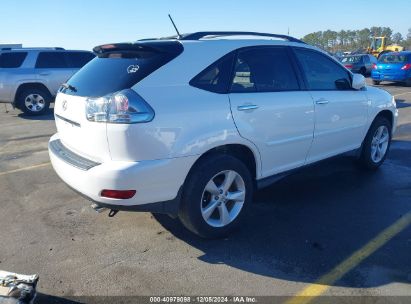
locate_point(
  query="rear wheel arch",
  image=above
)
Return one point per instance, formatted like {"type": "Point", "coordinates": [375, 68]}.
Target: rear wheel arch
{"type": "Point", "coordinates": [239, 151]}
{"type": "Point", "coordinates": [30, 85]}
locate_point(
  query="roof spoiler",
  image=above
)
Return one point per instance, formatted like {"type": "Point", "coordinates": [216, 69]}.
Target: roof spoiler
{"type": "Point", "coordinates": [142, 46]}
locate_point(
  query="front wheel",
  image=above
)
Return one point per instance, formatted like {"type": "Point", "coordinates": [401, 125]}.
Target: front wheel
{"type": "Point", "coordinates": [216, 195]}
{"type": "Point", "coordinates": [376, 144]}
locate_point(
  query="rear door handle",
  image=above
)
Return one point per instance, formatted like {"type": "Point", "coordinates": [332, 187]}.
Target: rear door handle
{"type": "Point", "coordinates": [322, 101]}
{"type": "Point", "coordinates": [247, 107]}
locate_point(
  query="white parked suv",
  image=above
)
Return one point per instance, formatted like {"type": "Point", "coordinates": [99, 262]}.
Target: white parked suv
{"type": "Point", "coordinates": [191, 125]}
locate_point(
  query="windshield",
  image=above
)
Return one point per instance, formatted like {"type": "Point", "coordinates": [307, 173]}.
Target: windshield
{"type": "Point", "coordinates": [351, 59]}
{"type": "Point", "coordinates": [376, 43]}
{"type": "Point", "coordinates": [393, 58]}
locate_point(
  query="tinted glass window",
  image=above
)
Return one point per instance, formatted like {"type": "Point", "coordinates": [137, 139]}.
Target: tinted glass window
{"type": "Point", "coordinates": [78, 59]}
{"type": "Point", "coordinates": [216, 77]}
{"type": "Point", "coordinates": [12, 60]}
{"type": "Point", "coordinates": [393, 58]}
{"type": "Point", "coordinates": [263, 70]}
{"type": "Point", "coordinates": [352, 59]}
{"type": "Point", "coordinates": [120, 68]}
{"type": "Point", "coordinates": [51, 60]}
{"type": "Point", "coordinates": [321, 72]}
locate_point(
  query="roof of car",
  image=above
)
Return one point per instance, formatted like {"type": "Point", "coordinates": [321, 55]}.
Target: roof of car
{"type": "Point", "coordinates": [398, 53]}
{"type": "Point", "coordinates": [51, 49]}
{"type": "Point", "coordinates": [212, 35]}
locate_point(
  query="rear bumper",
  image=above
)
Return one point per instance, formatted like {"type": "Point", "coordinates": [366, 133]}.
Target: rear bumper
{"type": "Point", "coordinates": [156, 181]}
{"type": "Point", "coordinates": [380, 76]}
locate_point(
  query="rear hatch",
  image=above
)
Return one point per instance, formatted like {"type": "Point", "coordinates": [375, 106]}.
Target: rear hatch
{"type": "Point", "coordinates": [117, 67]}
{"type": "Point", "coordinates": [83, 137]}
{"type": "Point", "coordinates": [391, 64]}
{"type": "Point", "coordinates": [352, 62]}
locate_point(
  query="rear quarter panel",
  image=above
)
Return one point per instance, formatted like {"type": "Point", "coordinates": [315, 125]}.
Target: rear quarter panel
{"type": "Point", "coordinates": [188, 122]}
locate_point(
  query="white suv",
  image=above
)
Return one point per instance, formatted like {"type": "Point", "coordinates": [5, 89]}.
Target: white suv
{"type": "Point", "coordinates": [191, 125]}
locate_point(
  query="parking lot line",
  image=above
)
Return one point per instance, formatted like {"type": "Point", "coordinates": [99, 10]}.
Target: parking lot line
{"type": "Point", "coordinates": [25, 168]}
{"type": "Point", "coordinates": [318, 288]}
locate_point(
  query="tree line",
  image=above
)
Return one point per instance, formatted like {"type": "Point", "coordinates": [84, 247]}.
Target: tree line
{"type": "Point", "coordinates": [350, 40]}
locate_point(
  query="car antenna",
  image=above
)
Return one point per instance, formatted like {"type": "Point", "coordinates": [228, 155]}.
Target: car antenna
{"type": "Point", "coordinates": [178, 33]}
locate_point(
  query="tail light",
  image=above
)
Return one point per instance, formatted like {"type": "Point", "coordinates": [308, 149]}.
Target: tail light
{"type": "Point", "coordinates": [124, 107]}
{"type": "Point", "coordinates": [348, 66]}
{"type": "Point", "coordinates": [406, 67]}
{"type": "Point", "coordinates": [374, 66]}
{"type": "Point", "coordinates": [118, 194]}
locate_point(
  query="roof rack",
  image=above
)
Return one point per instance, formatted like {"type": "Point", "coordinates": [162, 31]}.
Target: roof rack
{"type": "Point", "coordinates": [31, 48]}
{"type": "Point", "coordinates": [199, 35]}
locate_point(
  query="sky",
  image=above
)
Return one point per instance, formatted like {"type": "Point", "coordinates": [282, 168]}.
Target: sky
{"type": "Point", "coordinates": [83, 24]}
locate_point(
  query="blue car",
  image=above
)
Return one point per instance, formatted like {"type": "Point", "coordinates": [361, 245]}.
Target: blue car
{"type": "Point", "coordinates": [395, 67]}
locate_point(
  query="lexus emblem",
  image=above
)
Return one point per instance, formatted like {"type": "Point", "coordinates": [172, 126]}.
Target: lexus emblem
{"type": "Point", "coordinates": [64, 105]}
{"type": "Point", "coordinates": [133, 68]}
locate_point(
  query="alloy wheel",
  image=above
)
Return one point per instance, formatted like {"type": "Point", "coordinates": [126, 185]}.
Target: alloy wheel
{"type": "Point", "coordinates": [223, 198]}
{"type": "Point", "coordinates": [379, 144]}
{"type": "Point", "coordinates": [34, 102]}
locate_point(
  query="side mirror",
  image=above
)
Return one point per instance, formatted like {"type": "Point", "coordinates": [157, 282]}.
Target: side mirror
{"type": "Point", "coordinates": [358, 81]}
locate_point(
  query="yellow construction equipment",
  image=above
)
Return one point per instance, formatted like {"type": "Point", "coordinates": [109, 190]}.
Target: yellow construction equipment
{"type": "Point", "coordinates": [379, 46]}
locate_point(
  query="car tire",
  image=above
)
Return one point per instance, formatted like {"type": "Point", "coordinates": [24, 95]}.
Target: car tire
{"type": "Point", "coordinates": [35, 101]}
{"type": "Point", "coordinates": [206, 208]}
{"type": "Point", "coordinates": [376, 144]}
{"type": "Point", "coordinates": [376, 82]}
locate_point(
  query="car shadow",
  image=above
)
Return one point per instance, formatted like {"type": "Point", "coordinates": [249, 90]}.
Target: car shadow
{"type": "Point", "coordinates": [49, 299]}
{"type": "Point", "coordinates": [49, 115]}
{"type": "Point", "coordinates": [391, 84]}
{"type": "Point", "coordinates": [401, 103]}
{"type": "Point", "coordinates": [307, 223]}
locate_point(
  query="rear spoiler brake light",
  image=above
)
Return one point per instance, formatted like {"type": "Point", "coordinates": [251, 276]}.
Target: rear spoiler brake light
{"type": "Point", "coordinates": [171, 47]}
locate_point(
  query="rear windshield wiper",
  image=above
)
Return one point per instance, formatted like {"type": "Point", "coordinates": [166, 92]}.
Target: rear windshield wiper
{"type": "Point", "coordinates": [69, 87]}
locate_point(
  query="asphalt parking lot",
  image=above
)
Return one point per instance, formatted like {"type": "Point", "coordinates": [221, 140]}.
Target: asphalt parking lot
{"type": "Point", "coordinates": [320, 225]}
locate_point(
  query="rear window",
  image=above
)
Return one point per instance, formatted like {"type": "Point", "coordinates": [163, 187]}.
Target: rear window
{"type": "Point", "coordinates": [78, 59]}
{"type": "Point", "coordinates": [351, 59]}
{"type": "Point", "coordinates": [120, 66]}
{"type": "Point", "coordinates": [393, 58]}
{"type": "Point", "coordinates": [12, 59]}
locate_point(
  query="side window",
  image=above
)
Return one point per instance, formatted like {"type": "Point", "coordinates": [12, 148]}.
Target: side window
{"type": "Point", "coordinates": [264, 69]}
{"type": "Point", "coordinates": [51, 60]}
{"type": "Point", "coordinates": [12, 60]}
{"type": "Point", "coordinates": [216, 77]}
{"type": "Point", "coordinates": [78, 59]}
{"type": "Point", "coordinates": [321, 72]}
